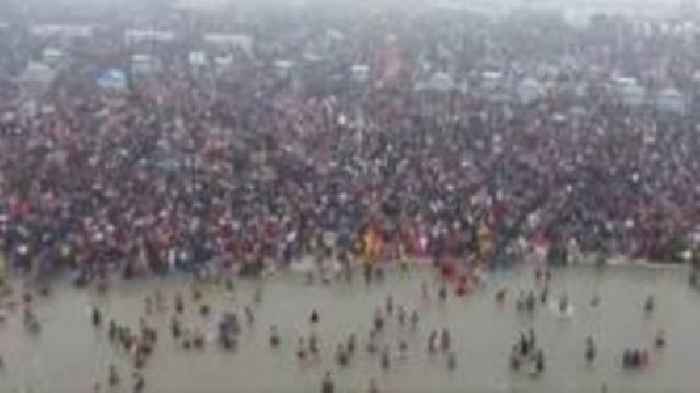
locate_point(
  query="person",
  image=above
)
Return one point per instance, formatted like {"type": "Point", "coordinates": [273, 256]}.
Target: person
{"type": "Point", "coordinates": [250, 317]}
{"type": "Point", "coordinates": [112, 331]}
{"type": "Point", "coordinates": [590, 353]}
{"type": "Point", "coordinates": [327, 385]}
{"type": "Point", "coordinates": [341, 357]}
{"type": "Point", "coordinates": [564, 304]}
{"type": "Point", "coordinates": [414, 319]}
{"type": "Point", "coordinates": [373, 386]}
{"type": "Point", "coordinates": [643, 358]}
{"type": "Point", "coordinates": [635, 358]}
{"type": "Point", "coordinates": [378, 320]}
{"type": "Point", "coordinates": [531, 341]}
{"type": "Point", "coordinates": [445, 340]}
{"type": "Point", "coordinates": [175, 327]}
{"type": "Point", "coordinates": [544, 295]}
{"type": "Point", "coordinates": [198, 339]}
{"type": "Point", "coordinates": [113, 379]}
{"type": "Point", "coordinates": [196, 293]}
{"type": "Point", "coordinates": [313, 344]}
{"type": "Point", "coordinates": [425, 293]}
{"type": "Point", "coordinates": [530, 301]}
{"type": "Point", "coordinates": [301, 349]}
{"type": "Point", "coordinates": [515, 359]}
{"type": "Point", "coordinates": [351, 343]}
{"type": "Point", "coordinates": [442, 292]}
{"type": "Point", "coordinates": [371, 344]}
{"type": "Point", "coordinates": [627, 358]}
{"type": "Point", "coordinates": [389, 305]}
{"type": "Point", "coordinates": [96, 317]}
{"type": "Point", "coordinates": [367, 273]}
{"type": "Point", "coordinates": [309, 278]}
{"type": "Point", "coordinates": [204, 310]}
{"type": "Point", "coordinates": [257, 296]}
{"type": "Point", "coordinates": [314, 317]}
{"type": "Point", "coordinates": [401, 315]}
{"type": "Point", "coordinates": [228, 341]}
{"type": "Point", "coordinates": [432, 341]}
{"type": "Point", "coordinates": [403, 347]}
{"type": "Point", "coordinates": [228, 284]}
{"type": "Point", "coordinates": [649, 304]}
{"type": "Point", "coordinates": [524, 348]}
{"type": "Point", "coordinates": [539, 362]}
{"type": "Point", "coordinates": [520, 303]}
{"type": "Point", "coordinates": [451, 360]}
{"type": "Point", "coordinates": [660, 339]}
{"type": "Point", "coordinates": [386, 359]}
{"type": "Point", "coordinates": [139, 382]}
{"type": "Point", "coordinates": [148, 305]}
{"type": "Point", "coordinates": [179, 304]}
{"type": "Point", "coordinates": [379, 274]}
{"type": "Point", "coordinates": [274, 337]}
{"type": "Point", "coordinates": [501, 295]}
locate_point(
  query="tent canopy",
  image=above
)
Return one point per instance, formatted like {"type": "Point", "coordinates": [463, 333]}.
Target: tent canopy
{"type": "Point", "coordinates": [241, 41]}
{"type": "Point", "coordinates": [135, 36]}
{"type": "Point", "coordinates": [37, 73]}
{"type": "Point", "coordinates": [48, 30]}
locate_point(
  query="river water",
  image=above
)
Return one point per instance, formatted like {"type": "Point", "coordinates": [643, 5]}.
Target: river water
{"type": "Point", "coordinates": [69, 355]}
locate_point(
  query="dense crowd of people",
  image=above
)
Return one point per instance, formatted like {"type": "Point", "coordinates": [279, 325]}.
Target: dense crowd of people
{"type": "Point", "coordinates": [262, 163]}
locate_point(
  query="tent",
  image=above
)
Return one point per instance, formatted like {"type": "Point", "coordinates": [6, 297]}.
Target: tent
{"type": "Point", "coordinates": [529, 90]}
{"type": "Point", "coordinates": [37, 77]}
{"type": "Point", "coordinates": [633, 95]}
{"type": "Point", "coordinates": [70, 31]}
{"type": "Point", "coordinates": [491, 80]}
{"type": "Point", "coordinates": [136, 36]}
{"type": "Point", "coordinates": [144, 64]}
{"type": "Point", "coordinates": [52, 55]}
{"type": "Point", "coordinates": [360, 72]}
{"type": "Point", "coordinates": [670, 100]}
{"type": "Point", "coordinates": [240, 41]}
{"type": "Point", "coordinates": [198, 59]}
{"type": "Point", "coordinates": [283, 67]}
{"type": "Point", "coordinates": [440, 81]}
{"type": "Point", "coordinates": [113, 79]}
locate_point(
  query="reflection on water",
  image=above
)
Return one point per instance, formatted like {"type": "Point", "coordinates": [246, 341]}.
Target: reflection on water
{"type": "Point", "coordinates": [69, 355]}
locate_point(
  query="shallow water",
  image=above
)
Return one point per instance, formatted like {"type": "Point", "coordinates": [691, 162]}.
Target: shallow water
{"type": "Point", "coordinates": [69, 355]}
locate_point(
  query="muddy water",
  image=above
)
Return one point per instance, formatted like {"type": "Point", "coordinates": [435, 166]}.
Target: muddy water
{"type": "Point", "coordinates": [69, 355]}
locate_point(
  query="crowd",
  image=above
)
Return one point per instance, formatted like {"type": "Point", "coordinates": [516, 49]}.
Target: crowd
{"type": "Point", "coordinates": [262, 165]}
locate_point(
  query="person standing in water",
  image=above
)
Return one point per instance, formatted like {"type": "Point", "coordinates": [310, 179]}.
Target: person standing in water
{"type": "Point", "coordinates": [590, 353]}
{"type": "Point", "coordinates": [327, 385]}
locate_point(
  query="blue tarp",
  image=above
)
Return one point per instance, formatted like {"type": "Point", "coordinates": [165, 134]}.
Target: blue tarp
{"type": "Point", "coordinates": [112, 79]}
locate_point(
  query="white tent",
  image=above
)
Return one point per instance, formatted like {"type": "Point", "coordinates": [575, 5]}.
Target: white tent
{"type": "Point", "coordinates": [440, 81]}
{"type": "Point", "coordinates": [136, 36]}
{"type": "Point", "coordinates": [529, 90]}
{"type": "Point", "coordinates": [199, 5]}
{"type": "Point", "coordinates": [71, 31]}
{"type": "Point", "coordinates": [144, 64]}
{"type": "Point", "coordinates": [633, 95]}
{"type": "Point", "coordinates": [670, 100]}
{"type": "Point", "coordinates": [360, 72]}
{"type": "Point", "coordinates": [52, 55]}
{"type": "Point", "coordinates": [240, 41]}
{"type": "Point", "coordinates": [37, 77]}
{"type": "Point", "coordinates": [283, 67]}
{"type": "Point", "coordinates": [491, 80]}
{"type": "Point", "coordinates": [198, 59]}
